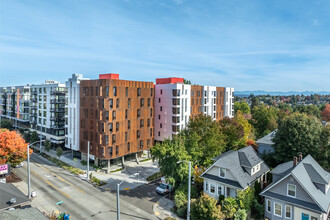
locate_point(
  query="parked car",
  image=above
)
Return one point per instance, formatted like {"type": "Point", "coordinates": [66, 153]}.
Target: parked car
{"type": "Point", "coordinates": [164, 188]}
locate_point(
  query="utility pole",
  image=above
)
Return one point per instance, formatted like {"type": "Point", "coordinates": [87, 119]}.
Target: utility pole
{"type": "Point", "coordinates": [28, 171]}
{"type": "Point", "coordinates": [88, 160]}
{"type": "Point", "coordinates": [118, 206]}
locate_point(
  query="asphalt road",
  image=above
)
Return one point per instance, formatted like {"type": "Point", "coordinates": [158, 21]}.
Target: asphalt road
{"type": "Point", "coordinates": [80, 199]}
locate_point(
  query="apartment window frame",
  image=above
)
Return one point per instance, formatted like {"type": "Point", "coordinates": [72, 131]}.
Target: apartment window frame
{"type": "Point", "coordinates": [114, 90]}
{"type": "Point", "coordinates": [288, 190]}
{"type": "Point", "coordinates": [114, 115]}
{"type": "Point", "coordinates": [286, 211]}
{"type": "Point", "coordinates": [222, 171]}
{"type": "Point", "coordinates": [221, 191]}
{"type": "Point", "coordinates": [206, 186]}
{"type": "Point", "coordinates": [126, 91]}
{"type": "Point", "coordinates": [141, 102]}
{"type": "Point", "coordinates": [110, 127]}
{"type": "Point", "coordinates": [280, 205]}
{"type": "Point", "coordinates": [110, 103]}
{"type": "Point", "coordinates": [268, 205]}
{"type": "Point", "coordinates": [117, 103]}
{"type": "Point", "coordinates": [129, 102]}
{"type": "Point", "coordinates": [138, 91]}
{"type": "Point", "coordinates": [117, 126]}
{"type": "Point", "coordinates": [212, 188]}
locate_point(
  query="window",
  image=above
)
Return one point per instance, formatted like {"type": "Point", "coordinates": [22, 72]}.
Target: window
{"type": "Point", "coordinates": [161, 91]}
{"type": "Point", "coordinates": [151, 92]}
{"type": "Point", "coordinates": [141, 123]}
{"type": "Point", "coordinates": [161, 108]}
{"type": "Point", "coordinates": [222, 173]}
{"type": "Point", "coordinates": [142, 102]}
{"type": "Point", "coordinates": [138, 133]}
{"type": "Point", "coordinates": [111, 103]}
{"type": "Point", "coordinates": [151, 112]}
{"type": "Point", "coordinates": [126, 91]}
{"type": "Point", "coordinates": [206, 186]}
{"type": "Point", "coordinates": [114, 91]}
{"type": "Point", "coordinates": [158, 133]}
{"type": "Point", "coordinates": [220, 190]}
{"type": "Point", "coordinates": [148, 143]}
{"type": "Point", "coordinates": [126, 114]}
{"type": "Point", "coordinates": [159, 100]}
{"type": "Point", "coordinates": [148, 123]}
{"type": "Point", "coordinates": [128, 146]}
{"type": "Point", "coordinates": [113, 115]}
{"type": "Point", "coordinates": [212, 189]}
{"type": "Point", "coordinates": [107, 115]}
{"type": "Point", "coordinates": [110, 151]}
{"type": "Point", "coordinates": [277, 209]}
{"type": "Point", "coordinates": [113, 138]}
{"type": "Point", "coordinates": [138, 91]}
{"type": "Point", "coordinates": [150, 131]}
{"type": "Point", "coordinates": [107, 91]}
{"type": "Point", "coordinates": [117, 103]}
{"type": "Point", "coordinates": [106, 139]}
{"type": "Point", "coordinates": [129, 103]}
{"type": "Point", "coordinates": [314, 218]}
{"type": "Point", "coordinates": [117, 149]}
{"type": "Point", "coordinates": [125, 136]}
{"type": "Point", "coordinates": [141, 144]}
{"type": "Point", "coordinates": [159, 117]}
{"type": "Point", "coordinates": [148, 102]}
{"type": "Point", "coordinates": [117, 126]}
{"type": "Point", "coordinates": [288, 211]}
{"type": "Point", "coordinates": [128, 124]}
{"type": "Point", "coordinates": [269, 205]}
{"type": "Point", "coordinates": [138, 113]}
{"type": "Point", "coordinates": [161, 125]}
{"type": "Point", "coordinates": [110, 127]}
{"type": "Point", "coordinates": [291, 190]}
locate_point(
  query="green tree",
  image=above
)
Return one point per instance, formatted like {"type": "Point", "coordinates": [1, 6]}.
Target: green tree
{"type": "Point", "coordinates": [254, 103]}
{"type": "Point", "coordinates": [6, 123]}
{"type": "Point", "coordinates": [242, 106]}
{"type": "Point", "coordinates": [245, 198]}
{"type": "Point", "coordinates": [34, 137]}
{"type": "Point", "coordinates": [27, 136]}
{"type": "Point", "coordinates": [309, 110]}
{"type": "Point", "coordinates": [168, 153]}
{"type": "Point", "coordinates": [186, 81]}
{"type": "Point", "coordinates": [233, 133]}
{"type": "Point", "coordinates": [229, 207]}
{"type": "Point", "coordinates": [47, 145]}
{"type": "Point", "coordinates": [205, 207]}
{"type": "Point", "coordinates": [323, 158]}
{"type": "Point", "coordinates": [264, 120]}
{"type": "Point", "coordinates": [298, 133]}
{"type": "Point", "coordinates": [59, 152]}
{"type": "Point", "coordinates": [203, 140]}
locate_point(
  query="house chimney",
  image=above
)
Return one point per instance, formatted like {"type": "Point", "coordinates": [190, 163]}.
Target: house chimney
{"type": "Point", "coordinates": [295, 161]}
{"type": "Point", "coordinates": [300, 156]}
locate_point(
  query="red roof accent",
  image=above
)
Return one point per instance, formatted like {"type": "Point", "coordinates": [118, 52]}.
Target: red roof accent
{"type": "Point", "coordinates": [109, 76]}
{"type": "Point", "coordinates": [171, 80]}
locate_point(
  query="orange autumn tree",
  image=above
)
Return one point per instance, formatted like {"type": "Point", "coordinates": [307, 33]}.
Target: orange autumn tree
{"type": "Point", "coordinates": [326, 113]}
{"type": "Point", "coordinates": [13, 148]}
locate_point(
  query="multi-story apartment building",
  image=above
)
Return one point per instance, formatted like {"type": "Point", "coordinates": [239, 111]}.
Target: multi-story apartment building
{"type": "Point", "coordinates": [15, 105]}
{"type": "Point", "coordinates": [47, 111]}
{"type": "Point", "coordinates": [175, 102]}
{"type": "Point", "coordinates": [72, 112]}
{"type": "Point", "coordinates": [116, 117]}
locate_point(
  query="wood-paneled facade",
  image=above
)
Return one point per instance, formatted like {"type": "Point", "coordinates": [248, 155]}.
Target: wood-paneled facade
{"type": "Point", "coordinates": [116, 116]}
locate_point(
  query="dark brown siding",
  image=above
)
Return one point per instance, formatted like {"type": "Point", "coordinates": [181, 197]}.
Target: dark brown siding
{"type": "Point", "coordinates": [96, 117]}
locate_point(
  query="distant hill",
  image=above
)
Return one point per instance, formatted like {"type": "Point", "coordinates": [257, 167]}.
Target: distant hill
{"type": "Point", "coordinates": [261, 92]}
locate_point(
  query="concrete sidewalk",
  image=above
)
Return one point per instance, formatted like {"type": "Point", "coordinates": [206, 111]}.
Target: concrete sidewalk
{"type": "Point", "coordinates": [133, 174]}
{"type": "Point", "coordinates": [162, 209]}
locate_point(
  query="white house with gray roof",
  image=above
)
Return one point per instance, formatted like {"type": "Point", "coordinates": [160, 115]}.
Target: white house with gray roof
{"type": "Point", "coordinates": [232, 171]}
{"type": "Point", "coordinates": [300, 190]}
{"type": "Point", "coordinates": [265, 144]}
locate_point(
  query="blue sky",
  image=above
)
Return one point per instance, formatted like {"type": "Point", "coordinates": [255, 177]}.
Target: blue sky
{"type": "Point", "coordinates": [271, 45]}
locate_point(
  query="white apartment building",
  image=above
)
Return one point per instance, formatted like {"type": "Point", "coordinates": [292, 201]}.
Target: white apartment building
{"type": "Point", "coordinates": [72, 112]}
{"type": "Point", "coordinates": [47, 110]}
{"type": "Point", "coordinates": [172, 109]}
{"type": "Point", "coordinates": [15, 105]}
{"type": "Point", "coordinates": [229, 102]}
{"type": "Point", "coordinates": [175, 102]}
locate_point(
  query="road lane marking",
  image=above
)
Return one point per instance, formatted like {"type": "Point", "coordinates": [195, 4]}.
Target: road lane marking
{"type": "Point", "coordinates": [44, 168]}
{"type": "Point", "coordinates": [49, 183]}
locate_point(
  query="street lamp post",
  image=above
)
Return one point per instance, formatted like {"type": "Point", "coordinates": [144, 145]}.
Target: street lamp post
{"type": "Point", "coordinates": [118, 204]}
{"type": "Point", "coordinates": [189, 185]}
{"type": "Point", "coordinates": [28, 168]}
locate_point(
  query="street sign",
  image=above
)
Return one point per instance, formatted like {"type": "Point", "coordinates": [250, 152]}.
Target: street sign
{"type": "Point", "coordinates": [5, 169]}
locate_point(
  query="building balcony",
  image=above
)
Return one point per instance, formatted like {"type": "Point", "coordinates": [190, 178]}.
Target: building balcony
{"type": "Point", "coordinates": [34, 100]}
{"type": "Point", "coordinates": [34, 107]}
{"type": "Point", "coordinates": [34, 92]}
{"type": "Point", "coordinates": [60, 126]}
{"type": "Point", "coordinates": [57, 118]}
{"type": "Point", "coordinates": [57, 109]}
{"type": "Point", "coordinates": [57, 101]}
{"type": "Point", "coordinates": [58, 92]}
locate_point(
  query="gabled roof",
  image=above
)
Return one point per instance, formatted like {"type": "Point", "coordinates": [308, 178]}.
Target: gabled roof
{"type": "Point", "coordinates": [308, 172]}
{"type": "Point", "coordinates": [268, 139]}
{"type": "Point", "coordinates": [236, 162]}
{"type": "Point", "coordinates": [9, 191]}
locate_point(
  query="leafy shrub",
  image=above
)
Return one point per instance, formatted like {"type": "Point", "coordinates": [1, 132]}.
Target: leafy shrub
{"type": "Point", "coordinates": [182, 212]}
{"type": "Point", "coordinates": [257, 209]}
{"type": "Point", "coordinates": [83, 162]}
{"type": "Point", "coordinates": [240, 214]}
{"type": "Point", "coordinates": [221, 198]}
{"type": "Point", "coordinates": [205, 207]}
{"type": "Point", "coordinates": [154, 176]}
